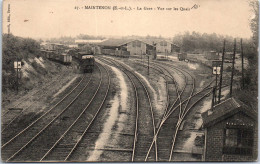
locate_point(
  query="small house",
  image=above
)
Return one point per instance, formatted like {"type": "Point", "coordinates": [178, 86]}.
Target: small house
{"type": "Point", "coordinates": [230, 132]}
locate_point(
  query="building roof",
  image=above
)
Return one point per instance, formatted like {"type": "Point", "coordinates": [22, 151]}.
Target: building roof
{"type": "Point", "coordinates": [224, 110]}
{"type": "Point", "coordinates": [84, 41]}
{"type": "Point", "coordinates": [120, 42]}
{"type": "Point", "coordinates": [114, 42]}
{"type": "Point", "coordinates": [168, 41]}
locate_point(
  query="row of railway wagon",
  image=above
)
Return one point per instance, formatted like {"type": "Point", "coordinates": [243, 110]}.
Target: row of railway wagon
{"type": "Point", "coordinates": [58, 57]}
{"type": "Point", "coordinates": [208, 58]}
{"type": "Point", "coordinates": [64, 55]}
{"type": "Point", "coordinates": [56, 52]}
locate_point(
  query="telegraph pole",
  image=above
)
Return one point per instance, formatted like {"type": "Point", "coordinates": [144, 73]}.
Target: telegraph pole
{"type": "Point", "coordinates": [242, 56]}
{"type": "Point", "coordinates": [148, 63]}
{"type": "Point", "coordinates": [154, 50]}
{"type": "Point", "coordinates": [165, 53]}
{"type": "Point", "coordinates": [233, 67]}
{"type": "Point", "coordinates": [17, 83]}
{"type": "Point", "coordinates": [221, 71]}
{"type": "Point", "coordinates": [141, 56]}
{"type": "Point", "coordinates": [216, 92]}
{"type": "Point", "coordinates": [213, 97]}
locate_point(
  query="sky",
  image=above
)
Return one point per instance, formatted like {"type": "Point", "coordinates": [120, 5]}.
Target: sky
{"type": "Point", "coordinates": [55, 18]}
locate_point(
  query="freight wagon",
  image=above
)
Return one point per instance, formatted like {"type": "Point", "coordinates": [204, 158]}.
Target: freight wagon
{"type": "Point", "coordinates": [182, 56]}
{"type": "Point", "coordinates": [211, 55]}
{"type": "Point", "coordinates": [65, 58]}
{"type": "Point", "coordinates": [62, 58]}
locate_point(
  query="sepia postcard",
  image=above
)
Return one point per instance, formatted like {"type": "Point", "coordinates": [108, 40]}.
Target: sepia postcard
{"type": "Point", "coordinates": [129, 81]}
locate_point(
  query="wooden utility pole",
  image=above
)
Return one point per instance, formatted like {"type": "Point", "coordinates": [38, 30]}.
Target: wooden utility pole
{"type": "Point", "coordinates": [165, 53]}
{"type": "Point", "coordinates": [17, 82]}
{"type": "Point", "coordinates": [213, 97]}
{"type": "Point", "coordinates": [221, 71]}
{"type": "Point", "coordinates": [148, 63]}
{"type": "Point", "coordinates": [142, 57]}
{"type": "Point", "coordinates": [242, 56]}
{"type": "Point", "coordinates": [233, 68]}
{"type": "Point", "coordinates": [154, 51]}
{"type": "Point", "coordinates": [216, 92]}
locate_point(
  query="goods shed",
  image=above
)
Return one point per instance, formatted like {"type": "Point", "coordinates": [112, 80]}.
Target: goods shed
{"type": "Point", "coordinates": [139, 47]}
{"type": "Point", "coordinates": [166, 46]}
{"type": "Point", "coordinates": [133, 46]}
{"type": "Point", "coordinates": [230, 132]}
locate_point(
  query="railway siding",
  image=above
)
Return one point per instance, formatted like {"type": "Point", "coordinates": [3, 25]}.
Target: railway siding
{"type": "Point", "coordinates": [61, 150]}
{"type": "Point", "coordinates": [63, 120]}
{"type": "Point", "coordinates": [13, 147]}
{"type": "Point", "coordinates": [145, 127]}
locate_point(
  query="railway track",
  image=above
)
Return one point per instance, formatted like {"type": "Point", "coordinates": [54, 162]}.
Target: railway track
{"type": "Point", "coordinates": [167, 133]}
{"type": "Point", "coordinates": [12, 134]}
{"type": "Point", "coordinates": [174, 96]}
{"type": "Point", "coordinates": [18, 147]}
{"type": "Point", "coordinates": [182, 92]}
{"type": "Point", "coordinates": [144, 126]}
{"type": "Point", "coordinates": [173, 118]}
{"type": "Point", "coordinates": [12, 117]}
{"type": "Point", "coordinates": [179, 117]}
{"type": "Point", "coordinates": [66, 147]}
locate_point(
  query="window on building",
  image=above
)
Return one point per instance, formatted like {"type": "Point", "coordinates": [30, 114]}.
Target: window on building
{"type": "Point", "coordinates": [238, 141]}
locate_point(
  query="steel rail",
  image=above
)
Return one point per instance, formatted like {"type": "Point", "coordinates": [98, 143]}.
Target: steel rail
{"type": "Point", "coordinates": [85, 131]}
{"type": "Point", "coordinates": [84, 110]}
{"type": "Point", "coordinates": [150, 104]}
{"type": "Point", "coordinates": [34, 137]}
{"type": "Point", "coordinates": [22, 131]}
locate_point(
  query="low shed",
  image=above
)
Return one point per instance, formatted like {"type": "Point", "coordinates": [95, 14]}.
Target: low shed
{"type": "Point", "coordinates": [230, 132]}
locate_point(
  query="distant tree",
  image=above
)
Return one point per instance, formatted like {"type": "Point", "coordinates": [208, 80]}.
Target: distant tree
{"type": "Point", "coordinates": [254, 23]}
{"type": "Point", "coordinates": [14, 48]}
{"type": "Point", "coordinates": [84, 36]}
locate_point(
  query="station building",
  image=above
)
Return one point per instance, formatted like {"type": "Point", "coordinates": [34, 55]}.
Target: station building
{"type": "Point", "coordinates": [166, 46]}
{"type": "Point", "coordinates": [136, 47]}
{"type": "Point", "coordinates": [230, 132]}
{"type": "Point", "coordinates": [139, 47]}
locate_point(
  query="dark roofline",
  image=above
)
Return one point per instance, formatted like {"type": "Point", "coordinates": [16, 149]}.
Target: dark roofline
{"type": "Point", "coordinates": [168, 42]}
{"type": "Point", "coordinates": [135, 40]}
{"type": "Point", "coordinates": [209, 120]}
